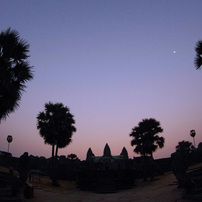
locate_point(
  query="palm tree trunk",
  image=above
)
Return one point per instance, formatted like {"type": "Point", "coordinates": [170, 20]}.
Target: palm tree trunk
{"type": "Point", "coordinates": [52, 160]}
{"type": "Point", "coordinates": [56, 151]}
{"type": "Point", "coordinates": [8, 147]}
{"type": "Point", "coordinates": [144, 168]}
{"type": "Point", "coordinates": [53, 166]}
{"type": "Point", "coordinates": [54, 179]}
{"type": "Point", "coordinates": [152, 167]}
{"type": "Point", "coordinates": [56, 160]}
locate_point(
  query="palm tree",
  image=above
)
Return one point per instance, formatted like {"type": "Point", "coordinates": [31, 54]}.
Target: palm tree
{"type": "Point", "coordinates": [9, 140]}
{"type": "Point", "coordinates": [145, 137]}
{"type": "Point", "coordinates": [56, 126]}
{"type": "Point", "coordinates": [15, 70]}
{"type": "Point", "coordinates": [147, 141]}
{"type": "Point", "coordinates": [198, 59]}
{"type": "Point", "coordinates": [193, 134]}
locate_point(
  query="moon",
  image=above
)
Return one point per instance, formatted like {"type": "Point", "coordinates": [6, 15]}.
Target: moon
{"type": "Point", "coordinates": [174, 51]}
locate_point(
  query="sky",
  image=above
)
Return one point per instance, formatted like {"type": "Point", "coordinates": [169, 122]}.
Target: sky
{"type": "Point", "coordinates": [112, 63]}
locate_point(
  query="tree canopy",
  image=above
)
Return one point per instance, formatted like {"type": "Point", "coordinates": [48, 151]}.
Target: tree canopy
{"type": "Point", "coordinates": [56, 126]}
{"type": "Point", "coordinates": [145, 137]}
{"type": "Point", "coordinates": [15, 70]}
{"type": "Point", "coordinates": [198, 58]}
{"type": "Point", "coordinates": [184, 146]}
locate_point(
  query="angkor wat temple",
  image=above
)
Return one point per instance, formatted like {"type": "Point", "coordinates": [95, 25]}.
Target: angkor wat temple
{"type": "Point", "coordinates": [106, 173]}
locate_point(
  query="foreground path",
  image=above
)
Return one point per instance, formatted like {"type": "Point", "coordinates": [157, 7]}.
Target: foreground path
{"type": "Point", "coordinates": [162, 189]}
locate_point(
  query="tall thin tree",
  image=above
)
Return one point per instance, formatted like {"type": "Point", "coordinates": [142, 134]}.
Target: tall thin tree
{"type": "Point", "coordinates": [9, 140]}
{"type": "Point", "coordinates": [146, 141]}
{"type": "Point", "coordinates": [145, 137]}
{"type": "Point", "coordinates": [193, 134]}
{"type": "Point", "coordinates": [56, 126]}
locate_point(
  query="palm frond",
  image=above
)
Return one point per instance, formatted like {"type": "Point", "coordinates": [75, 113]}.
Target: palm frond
{"type": "Point", "coordinates": [15, 70]}
{"type": "Point", "coordinates": [198, 59]}
{"type": "Point", "coordinates": [145, 138]}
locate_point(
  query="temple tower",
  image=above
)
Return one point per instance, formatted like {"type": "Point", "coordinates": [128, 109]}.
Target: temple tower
{"type": "Point", "coordinates": [89, 154]}
{"type": "Point", "coordinates": [107, 151]}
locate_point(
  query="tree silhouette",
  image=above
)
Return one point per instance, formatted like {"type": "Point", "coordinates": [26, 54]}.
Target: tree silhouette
{"type": "Point", "coordinates": [15, 70]}
{"type": "Point", "coordinates": [9, 140]}
{"type": "Point", "coordinates": [185, 147]}
{"type": "Point", "coordinates": [181, 159]}
{"type": "Point", "coordinates": [56, 126]}
{"type": "Point", "coordinates": [145, 137]}
{"type": "Point", "coordinates": [146, 141]}
{"type": "Point", "coordinates": [198, 58]}
{"type": "Point", "coordinates": [200, 147]}
{"type": "Point", "coordinates": [193, 134]}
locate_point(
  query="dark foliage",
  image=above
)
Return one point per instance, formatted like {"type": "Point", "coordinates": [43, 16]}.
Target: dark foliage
{"type": "Point", "coordinates": [145, 137]}
{"type": "Point", "coordinates": [185, 147]}
{"type": "Point", "coordinates": [56, 126]}
{"type": "Point", "coordinates": [15, 70]}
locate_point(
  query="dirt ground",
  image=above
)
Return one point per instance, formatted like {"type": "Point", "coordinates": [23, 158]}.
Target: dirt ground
{"type": "Point", "coordinates": [162, 189]}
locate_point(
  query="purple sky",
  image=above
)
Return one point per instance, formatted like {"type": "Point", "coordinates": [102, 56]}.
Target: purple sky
{"type": "Point", "coordinates": [113, 63]}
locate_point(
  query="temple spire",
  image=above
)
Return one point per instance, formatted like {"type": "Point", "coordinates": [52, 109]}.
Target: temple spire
{"type": "Point", "coordinates": [89, 154]}
{"type": "Point", "coordinates": [124, 153]}
{"type": "Point", "coordinates": [107, 151]}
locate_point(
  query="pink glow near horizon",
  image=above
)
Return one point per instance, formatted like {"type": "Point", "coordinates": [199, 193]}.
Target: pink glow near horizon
{"type": "Point", "coordinates": [112, 63]}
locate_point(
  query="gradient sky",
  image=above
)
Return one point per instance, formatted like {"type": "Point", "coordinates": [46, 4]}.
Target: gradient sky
{"type": "Point", "coordinates": [113, 63]}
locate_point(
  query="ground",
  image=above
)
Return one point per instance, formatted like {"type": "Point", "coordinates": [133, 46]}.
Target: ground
{"type": "Point", "coordinates": [162, 189]}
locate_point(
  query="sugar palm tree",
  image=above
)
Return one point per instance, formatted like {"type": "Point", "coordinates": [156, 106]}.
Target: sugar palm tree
{"type": "Point", "coordinates": [198, 59]}
{"type": "Point", "coordinates": [193, 134]}
{"type": "Point", "coordinates": [15, 70]}
{"type": "Point", "coordinates": [9, 140]}
{"type": "Point", "coordinates": [146, 141]}
{"type": "Point", "coordinates": [56, 126]}
{"type": "Point", "coordinates": [145, 137]}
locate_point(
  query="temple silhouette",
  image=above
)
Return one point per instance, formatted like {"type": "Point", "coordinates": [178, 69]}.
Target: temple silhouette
{"type": "Point", "coordinates": [107, 161]}
{"type": "Point", "coordinates": [106, 173]}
